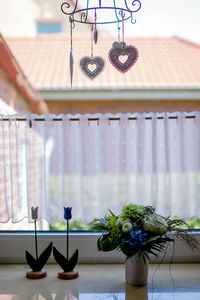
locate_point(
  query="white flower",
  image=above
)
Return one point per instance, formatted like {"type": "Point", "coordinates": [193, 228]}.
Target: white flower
{"type": "Point", "coordinates": [118, 222]}
{"type": "Point", "coordinates": [127, 221]}
{"type": "Point", "coordinates": [126, 227]}
{"type": "Point", "coordinates": [161, 220]}
{"type": "Point", "coordinates": [148, 224]}
{"type": "Point", "coordinates": [155, 223]}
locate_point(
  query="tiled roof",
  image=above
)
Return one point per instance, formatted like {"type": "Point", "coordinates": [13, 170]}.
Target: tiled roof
{"type": "Point", "coordinates": [163, 63]}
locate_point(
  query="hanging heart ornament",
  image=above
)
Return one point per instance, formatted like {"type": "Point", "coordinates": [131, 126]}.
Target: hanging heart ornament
{"type": "Point", "coordinates": [92, 66]}
{"type": "Point", "coordinates": [123, 57]}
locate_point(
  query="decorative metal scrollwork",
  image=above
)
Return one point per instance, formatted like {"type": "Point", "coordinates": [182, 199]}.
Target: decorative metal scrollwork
{"type": "Point", "coordinates": [135, 3]}
{"type": "Point", "coordinates": [84, 16]}
{"type": "Point", "coordinates": [122, 13]}
{"type": "Point", "coordinates": [66, 6]}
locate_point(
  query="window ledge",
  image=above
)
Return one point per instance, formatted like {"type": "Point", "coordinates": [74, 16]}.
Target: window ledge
{"type": "Point", "coordinates": [13, 246]}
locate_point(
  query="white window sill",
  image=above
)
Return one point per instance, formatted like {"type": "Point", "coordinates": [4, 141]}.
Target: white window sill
{"type": "Point", "coordinates": [13, 246]}
{"type": "Point", "coordinates": [103, 282]}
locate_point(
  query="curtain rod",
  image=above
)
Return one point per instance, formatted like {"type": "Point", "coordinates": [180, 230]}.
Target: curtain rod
{"type": "Point", "coordinates": [93, 119]}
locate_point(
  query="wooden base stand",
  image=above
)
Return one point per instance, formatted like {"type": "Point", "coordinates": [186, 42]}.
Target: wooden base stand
{"type": "Point", "coordinates": [68, 275]}
{"type": "Point", "coordinates": [36, 275]}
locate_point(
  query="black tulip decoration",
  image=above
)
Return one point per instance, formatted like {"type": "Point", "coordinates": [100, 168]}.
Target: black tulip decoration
{"type": "Point", "coordinates": [36, 264]}
{"type": "Point", "coordinates": [65, 263]}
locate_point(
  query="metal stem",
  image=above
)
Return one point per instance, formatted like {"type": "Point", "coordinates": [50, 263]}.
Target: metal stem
{"type": "Point", "coordinates": [36, 246]}
{"type": "Point", "coordinates": [95, 18]}
{"type": "Point", "coordinates": [67, 240]}
{"type": "Point", "coordinates": [71, 33]}
{"type": "Point", "coordinates": [119, 28]}
{"type": "Point", "coordinates": [123, 15]}
{"type": "Point", "coordinates": [92, 41]}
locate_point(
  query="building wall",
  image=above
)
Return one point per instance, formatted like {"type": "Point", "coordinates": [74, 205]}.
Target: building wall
{"type": "Point", "coordinates": [14, 15]}
{"type": "Point", "coordinates": [111, 106]}
{"type": "Point", "coordinates": [11, 101]}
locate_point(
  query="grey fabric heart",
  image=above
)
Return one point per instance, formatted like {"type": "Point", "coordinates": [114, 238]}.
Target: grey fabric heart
{"type": "Point", "coordinates": [92, 66]}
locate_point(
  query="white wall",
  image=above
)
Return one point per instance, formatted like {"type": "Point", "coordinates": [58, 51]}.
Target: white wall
{"type": "Point", "coordinates": [18, 18]}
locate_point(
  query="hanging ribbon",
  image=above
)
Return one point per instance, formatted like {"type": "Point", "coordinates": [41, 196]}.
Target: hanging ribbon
{"type": "Point", "coordinates": [95, 35]}
{"type": "Point", "coordinates": [71, 66]}
{"type": "Point", "coordinates": [71, 54]}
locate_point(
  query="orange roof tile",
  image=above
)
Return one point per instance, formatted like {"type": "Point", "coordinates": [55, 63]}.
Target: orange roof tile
{"type": "Point", "coordinates": [163, 63]}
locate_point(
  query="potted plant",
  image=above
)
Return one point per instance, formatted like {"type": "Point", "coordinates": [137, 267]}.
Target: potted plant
{"type": "Point", "coordinates": [139, 232]}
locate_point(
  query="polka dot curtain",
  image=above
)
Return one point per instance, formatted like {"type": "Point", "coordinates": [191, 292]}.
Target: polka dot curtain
{"type": "Point", "coordinates": [99, 162]}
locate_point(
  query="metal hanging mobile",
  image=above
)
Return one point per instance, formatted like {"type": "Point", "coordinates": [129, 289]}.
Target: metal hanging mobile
{"type": "Point", "coordinates": [122, 56]}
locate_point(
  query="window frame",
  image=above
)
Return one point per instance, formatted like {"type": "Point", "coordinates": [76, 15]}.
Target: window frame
{"type": "Point", "coordinates": [58, 23]}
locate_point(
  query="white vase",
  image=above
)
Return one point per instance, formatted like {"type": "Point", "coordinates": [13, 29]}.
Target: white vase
{"type": "Point", "coordinates": [136, 271]}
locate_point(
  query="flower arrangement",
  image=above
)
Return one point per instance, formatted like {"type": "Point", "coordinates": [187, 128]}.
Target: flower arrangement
{"type": "Point", "coordinates": [140, 231]}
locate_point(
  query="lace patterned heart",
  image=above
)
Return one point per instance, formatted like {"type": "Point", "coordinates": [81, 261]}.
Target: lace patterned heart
{"type": "Point", "coordinates": [92, 66]}
{"type": "Point", "coordinates": [123, 57]}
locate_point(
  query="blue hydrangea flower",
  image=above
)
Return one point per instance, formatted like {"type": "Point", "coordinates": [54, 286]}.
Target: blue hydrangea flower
{"type": "Point", "coordinates": [135, 239]}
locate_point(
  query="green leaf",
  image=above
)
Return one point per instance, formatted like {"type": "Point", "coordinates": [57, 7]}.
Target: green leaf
{"type": "Point", "coordinates": [146, 255]}
{"type": "Point", "coordinates": [99, 244]}
{"type": "Point", "coordinates": [153, 238]}
{"type": "Point", "coordinates": [112, 214]}
{"type": "Point", "coordinates": [98, 227]}
{"type": "Point", "coordinates": [103, 221]}
{"type": "Point", "coordinates": [157, 248]}
{"type": "Point", "coordinates": [104, 243]}
{"type": "Point", "coordinates": [152, 252]}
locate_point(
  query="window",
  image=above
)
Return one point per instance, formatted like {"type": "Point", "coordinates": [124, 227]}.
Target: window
{"type": "Point", "coordinates": [49, 28]}
{"type": "Point", "coordinates": [53, 187]}
{"type": "Point", "coordinates": [98, 162]}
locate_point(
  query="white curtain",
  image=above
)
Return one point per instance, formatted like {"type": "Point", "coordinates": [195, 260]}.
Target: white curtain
{"type": "Point", "coordinates": [99, 162]}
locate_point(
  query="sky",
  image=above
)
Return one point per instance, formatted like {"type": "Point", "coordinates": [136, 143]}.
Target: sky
{"type": "Point", "coordinates": [164, 18]}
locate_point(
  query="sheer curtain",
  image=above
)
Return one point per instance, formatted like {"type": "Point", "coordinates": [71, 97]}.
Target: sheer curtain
{"type": "Point", "coordinates": [99, 162]}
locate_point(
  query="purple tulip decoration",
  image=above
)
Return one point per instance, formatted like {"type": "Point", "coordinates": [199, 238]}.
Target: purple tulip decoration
{"type": "Point", "coordinates": [66, 264]}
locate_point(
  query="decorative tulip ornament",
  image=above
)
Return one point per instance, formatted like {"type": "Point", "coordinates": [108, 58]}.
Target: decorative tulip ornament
{"type": "Point", "coordinates": [67, 264]}
{"type": "Point", "coordinates": [36, 265]}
